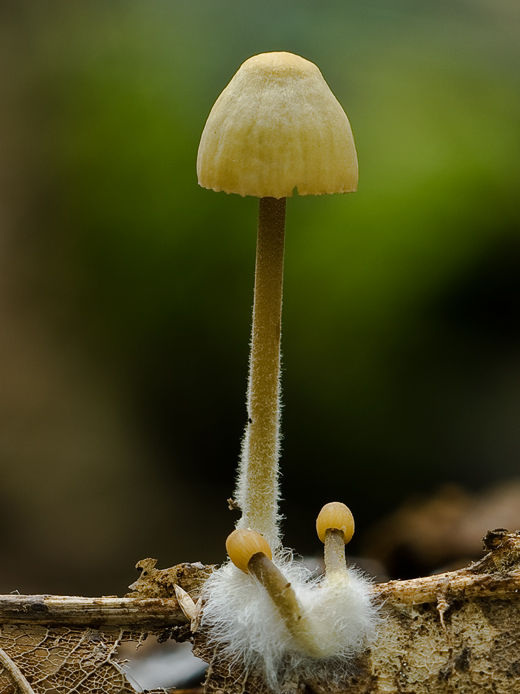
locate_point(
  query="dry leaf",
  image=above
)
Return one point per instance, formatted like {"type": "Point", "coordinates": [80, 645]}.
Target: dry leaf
{"type": "Point", "coordinates": [37, 660]}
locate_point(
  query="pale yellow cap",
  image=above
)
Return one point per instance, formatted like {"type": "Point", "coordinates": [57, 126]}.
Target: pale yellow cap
{"type": "Point", "coordinates": [335, 516]}
{"type": "Point", "coordinates": [241, 545]}
{"type": "Point", "coordinates": [277, 127]}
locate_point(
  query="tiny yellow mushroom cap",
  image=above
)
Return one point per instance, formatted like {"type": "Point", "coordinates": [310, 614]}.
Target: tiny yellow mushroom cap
{"type": "Point", "coordinates": [241, 545]}
{"type": "Point", "coordinates": [276, 127]}
{"type": "Point", "coordinates": [335, 516]}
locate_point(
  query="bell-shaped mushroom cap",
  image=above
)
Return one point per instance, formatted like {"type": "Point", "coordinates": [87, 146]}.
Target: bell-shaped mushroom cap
{"type": "Point", "coordinates": [277, 127]}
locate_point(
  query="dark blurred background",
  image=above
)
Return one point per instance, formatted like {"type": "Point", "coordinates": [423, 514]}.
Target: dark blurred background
{"type": "Point", "coordinates": [126, 290]}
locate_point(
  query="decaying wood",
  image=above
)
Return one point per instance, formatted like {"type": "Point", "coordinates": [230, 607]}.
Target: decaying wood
{"type": "Point", "coordinates": [66, 645]}
{"type": "Point", "coordinates": [151, 606]}
{"type": "Point", "coordinates": [451, 632]}
{"type": "Point", "coordinates": [133, 614]}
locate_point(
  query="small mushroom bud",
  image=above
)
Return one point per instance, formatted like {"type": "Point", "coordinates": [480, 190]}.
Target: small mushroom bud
{"type": "Point", "coordinates": [337, 516]}
{"type": "Point", "coordinates": [241, 545]}
{"type": "Point", "coordinates": [335, 527]}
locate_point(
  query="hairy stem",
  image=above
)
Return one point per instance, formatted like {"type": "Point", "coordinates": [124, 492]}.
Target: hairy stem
{"type": "Point", "coordinates": [335, 563]}
{"type": "Point", "coordinates": [257, 492]}
{"type": "Point", "coordinates": [285, 600]}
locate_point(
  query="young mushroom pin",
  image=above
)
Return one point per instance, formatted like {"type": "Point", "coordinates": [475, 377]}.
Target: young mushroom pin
{"type": "Point", "coordinates": [275, 128]}
{"type": "Point", "coordinates": [335, 528]}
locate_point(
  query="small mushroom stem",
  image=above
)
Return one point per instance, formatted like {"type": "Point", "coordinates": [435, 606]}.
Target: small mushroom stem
{"type": "Point", "coordinates": [250, 552]}
{"type": "Point", "coordinates": [279, 589]}
{"type": "Point", "coordinates": [334, 553]}
{"type": "Point", "coordinates": [258, 492]}
{"type": "Point", "coordinates": [283, 596]}
{"type": "Point", "coordinates": [335, 527]}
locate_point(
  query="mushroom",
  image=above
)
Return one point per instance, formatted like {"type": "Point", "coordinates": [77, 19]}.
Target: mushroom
{"type": "Point", "coordinates": [275, 128]}
{"type": "Point", "coordinates": [335, 528]}
{"type": "Point", "coordinates": [250, 552]}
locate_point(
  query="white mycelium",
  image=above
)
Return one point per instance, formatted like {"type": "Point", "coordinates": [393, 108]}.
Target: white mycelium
{"type": "Point", "coordinates": [244, 622]}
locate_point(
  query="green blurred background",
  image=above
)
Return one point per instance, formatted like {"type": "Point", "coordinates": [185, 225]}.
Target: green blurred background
{"type": "Point", "coordinates": [126, 290]}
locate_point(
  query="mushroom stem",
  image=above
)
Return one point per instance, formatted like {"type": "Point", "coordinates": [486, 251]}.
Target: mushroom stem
{"type": "Point", "coordinates": [335, 527]}
{"type": "Point", "coordinates": [250, 553]}
{"type": "Point", "coordinates": [278, 587]}
{"type": "Point", "coordinates": [283, 596]}
{"type": "Point", "coordinates": [334, 553]}
{"type": "Point", "coordinates": [257, 492]}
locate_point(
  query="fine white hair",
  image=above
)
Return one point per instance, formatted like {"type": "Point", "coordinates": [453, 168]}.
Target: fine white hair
{"type": "Point", "coordinates": [244, 623]}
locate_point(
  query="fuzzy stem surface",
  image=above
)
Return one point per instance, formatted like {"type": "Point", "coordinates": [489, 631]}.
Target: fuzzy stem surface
{"type": "Point", "coordinates": [258, 490]}
{"type": "Point", "coordinates": [285, 600]}
{"type": "Point", "coordinates": [334, 553]}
